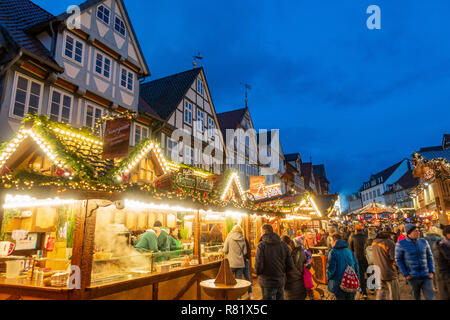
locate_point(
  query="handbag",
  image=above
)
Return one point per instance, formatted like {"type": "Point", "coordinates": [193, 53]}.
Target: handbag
{"type": "Point", "coordinates": [307, 278]}
{"type": "Point", "coordinates": [350, 281]}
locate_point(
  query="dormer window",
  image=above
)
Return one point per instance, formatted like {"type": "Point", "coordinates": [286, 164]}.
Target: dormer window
{"type": "Point", "coordinates": [103, 13]}
{"type": "Point", "coordinates": [119, 26]}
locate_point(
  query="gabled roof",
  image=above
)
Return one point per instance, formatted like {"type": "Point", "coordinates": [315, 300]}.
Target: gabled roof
{"type": "Point", "coordinates": [385, 174]}
{"type": "Point", "coordinates": [435, 154]}
{"type": "Point", "coordinates": [307, 172]}
{"type": "Point", "coordinates": [165, 94]}
{"type": "Point", "coordinates": [319, 170]}
{"type": "Point", "coordinates": [230, 119]}
{"type": "Point", "coordinates": [90, 3]}
{"type": "Point", "coordinates": [292, 157]}
{"type": "Point", "coordinates": [407, 180]}
{"type": "Point", "coordinates": [16, 16]}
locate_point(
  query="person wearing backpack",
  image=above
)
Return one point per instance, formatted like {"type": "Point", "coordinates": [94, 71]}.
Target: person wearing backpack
{"type": "Point", "coordinates": [383, 249]}
{"type": "Point", "coordinates": [342, 266]}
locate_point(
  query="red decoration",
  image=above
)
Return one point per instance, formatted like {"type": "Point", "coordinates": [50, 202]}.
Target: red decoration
{"type": "Point", "coordinates": [5, 170]}
{"type": "Point", "coordinates": [124, 178]}
{"type": "Point", "coordinates": [205, 195]}
{"type": "Point", "coordinates": [180, 191]}
{"type": "Point", "coordinates": [158, 183]}
{"type": "Point", "coordinates": [60, 172]}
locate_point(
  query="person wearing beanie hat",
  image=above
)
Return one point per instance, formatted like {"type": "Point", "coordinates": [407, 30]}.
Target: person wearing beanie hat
{"type": "Point", "coordinates": [414, 258]}
{"type": "Point", "coordinates": [442, 256]}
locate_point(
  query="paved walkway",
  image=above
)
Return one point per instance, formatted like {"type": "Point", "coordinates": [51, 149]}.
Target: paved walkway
{"type": "Point", "coordinates": [405, 292]}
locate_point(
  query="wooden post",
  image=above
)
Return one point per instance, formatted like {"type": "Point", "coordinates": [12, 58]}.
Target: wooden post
{"type": "Point", "coordinates": [2, 210]}
{"type": "Point", "coordinates": [78, 239]}
{"type": "Point", "coordinates": [197, 237]}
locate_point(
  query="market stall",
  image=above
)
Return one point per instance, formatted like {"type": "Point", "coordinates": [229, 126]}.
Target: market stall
{"type": "Point", "coordinates": [72, 218]}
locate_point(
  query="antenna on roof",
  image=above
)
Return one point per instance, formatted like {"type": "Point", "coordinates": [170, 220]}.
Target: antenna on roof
{"type": "Point", "coordinates": [247, 87]}
{"type": "Point", "coordinates": [197, 57]}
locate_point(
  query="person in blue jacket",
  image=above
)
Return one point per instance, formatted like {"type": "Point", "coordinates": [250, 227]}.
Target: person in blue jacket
{"type": "Point", "coordinates": [415, 260]}
{"type": "Point", "coordinates": [339, 258]}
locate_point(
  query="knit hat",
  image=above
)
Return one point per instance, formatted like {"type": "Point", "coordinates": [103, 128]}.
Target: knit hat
{"type": "Point", "coordinates": [410, 228]}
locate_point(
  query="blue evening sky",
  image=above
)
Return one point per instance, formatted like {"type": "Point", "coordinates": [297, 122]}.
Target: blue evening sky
{"type": "Point", "coordinates": [357, 100]}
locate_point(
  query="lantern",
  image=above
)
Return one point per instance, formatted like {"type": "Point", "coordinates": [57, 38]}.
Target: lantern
{"type": "Point", "coordinates": [405, 216]}
{"type": "Point", "coordinates": [359, 217]}
{"type": "Point", "coordinates": [394, 216]}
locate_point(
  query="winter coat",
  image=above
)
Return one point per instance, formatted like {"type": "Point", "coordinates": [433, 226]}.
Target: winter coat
{"type": "Point", "coordinates": [272, 261]}
{"type": "Point", "coordinates": [383, 253]}
{"type": "Point", "coordinates": [358, 246]}
{"type": "Point", "coordinates": [414, 258]}
{"type": "Point", "coordinates": [163, 241]}
{"type": "Point", "coordinates": [248, 255]}
{"type": "Point", "coordinates": [235, 249]}
{"type": "Point", "coordinates": [432, 238]}
{"type": "Point", "coordinates": [295, 286]}
{"type": "Point", "coordinates": [338, 259]}
{"type": "Point", "coordinates": [442, 256]}
{"type": "Point", "coordinates": [323, 241]}
{"type": "Point", "coordinates": [147, 242]}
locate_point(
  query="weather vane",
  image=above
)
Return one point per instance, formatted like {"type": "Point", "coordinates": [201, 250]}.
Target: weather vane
{"type": "Point", "coordinates": [247, 87]}
{"type": "Point", "coordinates": [197, 57]}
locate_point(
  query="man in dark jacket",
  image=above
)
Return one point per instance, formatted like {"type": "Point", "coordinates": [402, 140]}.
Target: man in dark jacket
{"type": "Point", "coordinates": [272, 262]}
{"type": "Point", "coordinates": [415, 260]}
{"type": "Point", "coordinates": [383, 252]}
{"type": "Point", "coordinates": [358, 247]}
{"type": "Point", "coordinates": [442, 256]}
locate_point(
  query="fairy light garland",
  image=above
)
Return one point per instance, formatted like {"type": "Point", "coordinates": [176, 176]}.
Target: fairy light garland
{"type": "Point", "coordinates": [234, 177]}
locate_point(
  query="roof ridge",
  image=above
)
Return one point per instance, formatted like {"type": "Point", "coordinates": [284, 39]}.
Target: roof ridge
{"type": "Point", "coordinates": [236, 110]}
{"type": "Point", "coordinates": [172, 76]}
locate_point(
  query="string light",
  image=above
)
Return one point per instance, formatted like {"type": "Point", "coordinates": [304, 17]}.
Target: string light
{"type": "Point", "coordinates": [234, 177]}
{"type": "Point", "coordinates": [12, 202]}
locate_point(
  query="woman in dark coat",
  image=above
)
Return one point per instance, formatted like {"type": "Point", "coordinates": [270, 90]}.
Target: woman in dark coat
{"type": "Point", "coordinates": [294, 286]}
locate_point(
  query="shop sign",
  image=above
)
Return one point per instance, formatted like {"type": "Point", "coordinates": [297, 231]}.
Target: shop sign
{"type": "Point", "coordinates": [257, 185]}
{"type": "Point", "coordinates": [186, 179]}
{"type": "Point", "coordinates": [117, 138]}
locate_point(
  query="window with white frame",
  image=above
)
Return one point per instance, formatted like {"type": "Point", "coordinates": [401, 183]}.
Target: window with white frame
{"type": "Point", "coordinates": [211, 127]}
{"type": "Point", "coordinates": [103, 14]}
{"type": "Point", "coordinates": [200, 120]}
{"type": "Point", "coordinates": [60, 106]}
{"type": "Point", "coordinates": [200, 86]}
{"type": "Point", "coordinates": [103, 65]}
{"type": "Point", "coordinates": [126, 79]}
{"type": "Point", "coordinates": [140, 132]}
{"type": "Point", "coordinates": [119, 26]}
{"type": "Point", "coordinates": [172, 150]}
{"type": "Point", "coordinates": [93, 114]}
{"type": "Point", "coordinates": [73, 49]}
{"type": "Point", "coordinates": [188, 155]}
{"type": "Point", "coordinates": [187, 112]}
{"type": "Point", "coordinates": [27, 97]}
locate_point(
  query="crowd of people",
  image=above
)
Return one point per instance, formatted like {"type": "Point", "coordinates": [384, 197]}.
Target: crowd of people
{"type": "Point", "coordinates": [364, 259]}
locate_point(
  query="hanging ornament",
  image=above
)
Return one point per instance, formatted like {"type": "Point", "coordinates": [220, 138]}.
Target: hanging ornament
{"type": "Point", "coordinates": [205, 195]}
{"type": "Point", "coordinates": [60, 172]}
{"type": "Point", "coordinates": [180, 192]}
{"type": "Point", "coordinates": [124, 178]}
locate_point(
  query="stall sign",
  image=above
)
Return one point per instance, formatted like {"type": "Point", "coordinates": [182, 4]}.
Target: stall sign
{"type": "Point", "coordinates": [257, 185]}
{"type": "Point", "coordinates": [117, 138]}
{"type": "Point", "coordinates": [29, 243]}
{"type": "Point", "coordinates": [193, 182]}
